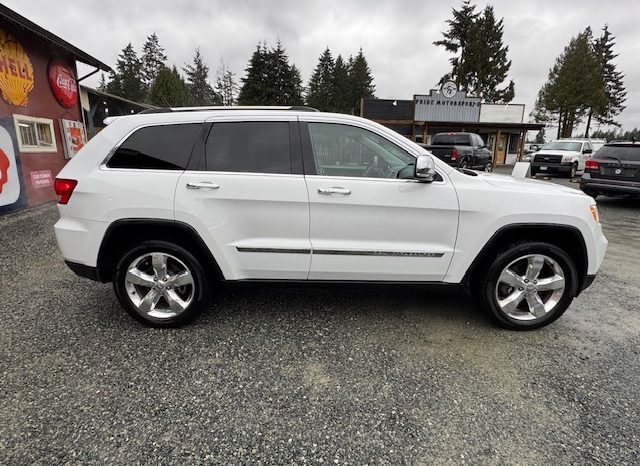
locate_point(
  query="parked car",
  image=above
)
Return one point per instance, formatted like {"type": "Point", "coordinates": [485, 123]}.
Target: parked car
{"type": "Point", "coordinates": [464, 150]}
{"type": "Point", "coordinates": [166, 204]}
{"type": "Point", "coordinates": [614, 171]}
{"type": "Point", "coordinates": [565, 156]}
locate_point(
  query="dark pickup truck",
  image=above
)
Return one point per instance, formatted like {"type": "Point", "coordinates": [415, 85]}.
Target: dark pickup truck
{"type": "Point", "coordinates": [464, 150]}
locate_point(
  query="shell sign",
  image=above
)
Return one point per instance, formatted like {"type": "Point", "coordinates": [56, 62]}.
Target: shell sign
{"type": "Point", "coordinates": [16, 71]}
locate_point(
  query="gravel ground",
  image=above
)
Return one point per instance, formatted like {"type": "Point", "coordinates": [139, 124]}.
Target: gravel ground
{"type": "Point", "coordinates": [336, 376]}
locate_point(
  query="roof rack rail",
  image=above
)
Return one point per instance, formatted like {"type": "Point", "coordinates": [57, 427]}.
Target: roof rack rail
{"type": "Point", "coordinates": [298, 108]}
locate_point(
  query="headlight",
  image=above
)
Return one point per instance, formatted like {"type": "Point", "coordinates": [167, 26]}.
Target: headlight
{"type": "Point", "coordinates": [566, 158]}
{"type": "Point", "coordinates": [594, 213]}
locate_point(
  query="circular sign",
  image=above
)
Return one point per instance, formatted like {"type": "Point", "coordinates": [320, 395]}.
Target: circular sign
{"type": "Point", "coordinates": [449, 89]}
{"type": "Point", "coordinates": [63, 83]}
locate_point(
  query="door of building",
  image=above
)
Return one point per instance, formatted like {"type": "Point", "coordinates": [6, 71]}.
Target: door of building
{"type": "Point", "coordinates": [501, 149]}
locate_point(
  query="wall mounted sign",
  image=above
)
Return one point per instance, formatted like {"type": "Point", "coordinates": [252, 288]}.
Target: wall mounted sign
{"type": "Point", "coordinates": [63, 83]}
{"type": "Point", "coordinates": [16, 71]}
{"type": "Point", "coordinates": [41, 179]}
{"type": "Point", "coordinates": [74, 136]}
{"type": "Point", "coordinates": [449, 89]}
{"type": "Point", "coordinates": [9, 180]}
{"type": "Point", "coordinates": [436, 106]}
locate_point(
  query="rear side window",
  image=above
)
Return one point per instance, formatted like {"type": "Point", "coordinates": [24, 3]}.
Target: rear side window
{"type": "Point", "coordinates": [255, 147]}
{"type": "Point", "coordinates": [164, 147]}
{"type": "Point", "coordinates": [623, 153]}
{"type": "Point", "coordinates": [453, 139]}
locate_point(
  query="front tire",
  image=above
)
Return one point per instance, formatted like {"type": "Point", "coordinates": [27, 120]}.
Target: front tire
{"type": "Point", "coordinates": [528, 285]}
{"type": "Point", "coordinates": [160, 284]}
{"type": "Point", "coordinates": [574, 171]}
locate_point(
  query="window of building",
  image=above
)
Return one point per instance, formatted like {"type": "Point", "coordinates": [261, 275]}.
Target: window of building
{"type": "Point", "coordinates": [163, 147]}
{"type": "Point", "coordinates": [514, 143]}
{"type": "Point", "coordinates": [35, 134]}
{"type": "Point", "coordinates": [251, 146]}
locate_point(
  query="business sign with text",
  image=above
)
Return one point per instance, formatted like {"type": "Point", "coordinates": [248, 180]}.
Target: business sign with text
{"type": "Point", "coordinates": [446, 105]}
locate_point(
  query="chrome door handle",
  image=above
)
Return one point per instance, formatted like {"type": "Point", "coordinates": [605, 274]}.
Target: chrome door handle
{"type": "Point", "coordinates": [202, 185]}
{"type": "Point", "coordinates": [334, 190]}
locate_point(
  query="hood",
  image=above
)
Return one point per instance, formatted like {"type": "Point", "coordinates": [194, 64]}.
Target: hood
{"type": "Point", "coordinates": [508, 182]}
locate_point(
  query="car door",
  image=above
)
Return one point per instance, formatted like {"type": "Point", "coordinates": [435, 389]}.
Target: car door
{"type": "Point", "coordinates": [246, 194]}
{"type": "Point", "coordinates": [370, 220]}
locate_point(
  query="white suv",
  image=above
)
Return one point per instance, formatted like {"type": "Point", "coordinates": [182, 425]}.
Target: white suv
{"type": "Point", "coordinates": [164, 204]}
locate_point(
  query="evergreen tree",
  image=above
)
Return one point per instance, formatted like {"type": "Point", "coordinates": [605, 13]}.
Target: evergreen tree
{"type": "Point", "coordinates": [342, 97]}
{"type": "Point", "coordinates": [169, 89]}
{"type": "Point", "coordinates": [197, 82]}
{"type": "Point", "coordinates": [226, 86]}
{"type": "Point", "coordinates": [126, 80]}
{"type": "Point", "coordinates": [320, 93]}
{"type": "Point", "coordinates": [540, 137]}
{"type": "Point", "coordinates": [613, 81]}
{"type": "Point", "coordinates": [297, 89]}
{"type": "Point", "coordinates": [281, 88]}
{"type": "Point", "coordinates": [253, 87]}
{"type": "Point", "coordinates": [103, 83]}
{"type": "Point", "coordinates": [153, 59]}
{"type": "Point", "coordinates": [575, 84]}
{"type": "Point", "coordinates": [361, 80]}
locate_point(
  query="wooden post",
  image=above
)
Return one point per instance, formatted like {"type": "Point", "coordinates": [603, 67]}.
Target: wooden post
{"type": "Point", "coordinates": [424, 133]}
{"type": "Point", "coordinates": [495, 147]}
{"type": "Point", "coordinates": [523, 133]}
{"type": "Point", "coordinates": [361, 106]}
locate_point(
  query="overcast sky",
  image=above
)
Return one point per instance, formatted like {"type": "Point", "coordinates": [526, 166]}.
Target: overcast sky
{"type": "Point", "coordinates": [396, 36]}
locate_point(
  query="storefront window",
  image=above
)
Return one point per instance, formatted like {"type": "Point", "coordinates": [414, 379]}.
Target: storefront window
{"type": "Point", "coordinates": [35, 134]}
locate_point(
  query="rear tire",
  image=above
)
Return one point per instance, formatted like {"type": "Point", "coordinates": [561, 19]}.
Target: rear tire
{"type": "Point", "coordinates": [160, 284]}
{"type": "Point", "coordinates": [527, 285]}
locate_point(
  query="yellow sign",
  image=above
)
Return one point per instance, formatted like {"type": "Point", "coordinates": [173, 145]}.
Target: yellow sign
{"type": "Point", "coordinates": [16, 72]}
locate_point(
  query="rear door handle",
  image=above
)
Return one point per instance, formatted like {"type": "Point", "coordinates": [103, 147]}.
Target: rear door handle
{"type": "Point", "coordinates": [334, 190]}
{"type": "Point", "coordinates": [202, 185]}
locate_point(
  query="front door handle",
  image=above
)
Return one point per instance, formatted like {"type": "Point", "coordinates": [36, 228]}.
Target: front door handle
{"type": "Point", "coordinates": [202, 185]}
{"type": "Point", "coordinates": [334, 190]}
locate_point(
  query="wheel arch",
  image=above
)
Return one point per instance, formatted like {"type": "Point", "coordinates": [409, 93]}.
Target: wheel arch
{"type": "Point", "coordinates": [566, 237]}
{"type": "Point", "coordinates": [126, 233]}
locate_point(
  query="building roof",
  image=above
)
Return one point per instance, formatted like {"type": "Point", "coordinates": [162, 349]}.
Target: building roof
{"type": "Point", "coordinates": [32, 27]}
{"type": "Point", "coordinates": [99, 93]}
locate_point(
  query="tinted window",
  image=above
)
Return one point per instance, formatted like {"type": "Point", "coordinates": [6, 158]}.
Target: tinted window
{"type": "Point", "coordinates": [258, 147]}
{"type": "Point", "coordinates": [451, 139]}
{"type": "Point", "coordinates": [165, 147]}
{"type": "Point", "coordinates": [622, 153]}
{"type": "Point", "coordinates": [341, 150]}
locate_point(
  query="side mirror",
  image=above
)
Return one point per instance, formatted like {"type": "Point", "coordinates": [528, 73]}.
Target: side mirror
{"type": "Point", "coordinates": [425, 168]}
{"type": "Point", "coordinates": [587, 151]}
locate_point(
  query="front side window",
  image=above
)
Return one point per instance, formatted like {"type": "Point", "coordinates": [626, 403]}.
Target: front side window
{"type": "Point", "coordinates": [250, 146]}
{"type": "Point", "coordinates": [163, 147]}
{"type": "Point", "coordinates": [35, 134]}
{"type": "Point", "coordinates": [341, 150]}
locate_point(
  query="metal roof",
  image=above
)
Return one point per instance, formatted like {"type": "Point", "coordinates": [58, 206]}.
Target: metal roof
{"type": "Point", "coordinates": [32, 27]}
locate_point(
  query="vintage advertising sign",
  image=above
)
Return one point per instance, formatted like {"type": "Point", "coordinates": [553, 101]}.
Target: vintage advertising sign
{"type": "Point", "coordinates": [63, 83]}
{"type": "Point", "coordinates": [9, 178]}
{"type": "Point", "coordinates": [16, 71]}
{"type": "Point", "coordinates": [74, 136]}
{"type": "Point", "coordinates": [41, 179]}
{"type": "Point", "coordinates": [446, 104]}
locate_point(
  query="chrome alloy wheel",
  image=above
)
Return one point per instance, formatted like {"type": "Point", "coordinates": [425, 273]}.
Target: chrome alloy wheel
{"type": "Point", "coordinates": [530, 287]}
{"type": "Point", "coordinates": [159, 285]}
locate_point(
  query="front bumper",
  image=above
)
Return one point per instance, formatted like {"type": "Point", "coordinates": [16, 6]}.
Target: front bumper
{"type": "Point", "coordinates": [537, 167]}
{"type": "Point", "coordinates": [608, 186]}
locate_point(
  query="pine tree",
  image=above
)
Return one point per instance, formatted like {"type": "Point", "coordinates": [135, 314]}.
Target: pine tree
{"type": "Point", "coordinates": [153, 59]}
{"type": "Point", "coordinates": [540, 137]}
{"type": "Point", "coordinates": [253, 87]}
{"type": "Point", "coordinates": [169, 89]}
{"type": "Point", "coordinates": [280, 86]}
{"type": "Point", "coordinates": [126, 80]}
{"type": "Point", "coordinates": [342, 97]}
{"type": "Point", "coordinates": [103, 83]}
{"type": "Point", "coordinates": [197, 82]}
{"type": "Point", "coordinates": [320, 92]}
{"type": "Point", "coordinates": [226, 86]}
{"type": "Point", "coordinates": [575, 85]}
{"type": "Point", "coordinates": [361, 80]}
{"type": "Point", "coordinates": [297, 89]}
{"type": "Point", "coordinates": [613, 80]}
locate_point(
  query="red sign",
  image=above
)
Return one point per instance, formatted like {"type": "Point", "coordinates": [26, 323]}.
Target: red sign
{"type": "Point", "coordinates": [41, 179]}
{"type": "Point", "coordinates": [63, 83]}
{"type": "Point", "coordinates": [4, 169]}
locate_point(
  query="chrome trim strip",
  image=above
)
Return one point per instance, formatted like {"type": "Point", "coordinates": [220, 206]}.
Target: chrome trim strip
{"type": "Point", "coordinates": [336, 252]}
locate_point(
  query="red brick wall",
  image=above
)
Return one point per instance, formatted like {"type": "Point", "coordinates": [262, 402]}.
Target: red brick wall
{"type": "Point", "coordinates": [42, 103]}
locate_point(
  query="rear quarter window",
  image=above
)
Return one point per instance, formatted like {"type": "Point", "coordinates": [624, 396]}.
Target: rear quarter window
{"type": "Point", "coordinates": [162, 147]}
{"type": "Point", "coordinates": [624, 153]}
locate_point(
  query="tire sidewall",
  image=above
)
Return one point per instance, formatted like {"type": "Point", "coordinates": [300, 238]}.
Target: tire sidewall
{"type": "Point", "coordinates": [511, 254]}
{"type": "Point", "coordinates": [197, 272]}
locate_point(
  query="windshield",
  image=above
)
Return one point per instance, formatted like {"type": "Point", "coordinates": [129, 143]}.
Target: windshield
{"type": "Point", "coordinates": [623, 153]}
{"type": "Point", "coordinates": [563, 145]}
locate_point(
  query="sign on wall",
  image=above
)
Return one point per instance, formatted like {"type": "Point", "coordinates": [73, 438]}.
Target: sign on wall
{"type": "Point", "coordinates": [74, 136]}
{"type": "Point", "coordinates": [9, 178]}
{"type": "Point", "coordinates": [501, 113]}
{"type": "Point", "coordinates": [16, 71]}
{"type": "Point", "coordinates": [63, 83]}
{"type": "Point", "coordinates": [446, 104]}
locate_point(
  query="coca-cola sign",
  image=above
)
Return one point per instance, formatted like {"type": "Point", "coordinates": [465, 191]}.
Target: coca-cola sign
{"type": "Point", "coordinates": [63, 83]}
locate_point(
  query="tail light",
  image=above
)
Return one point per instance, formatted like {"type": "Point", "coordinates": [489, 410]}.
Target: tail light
{"type": "Point", "coordinates": [64, 189]}
{"type": "Point", "coordinates": [454, 154]}
{"type": "Point", "coordinates": [591, 165]}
